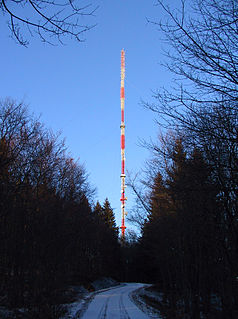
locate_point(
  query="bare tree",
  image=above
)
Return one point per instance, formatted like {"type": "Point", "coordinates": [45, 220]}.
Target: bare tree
{"type": "Point", "coordinates": [51, 20]}
{"type": "Point", "coordinates": [202, 107]}
{"type": "Point", "coordinates": [202, 54]}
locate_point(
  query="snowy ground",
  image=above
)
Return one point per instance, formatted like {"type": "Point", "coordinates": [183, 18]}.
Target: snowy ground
{"type": "Point", "coordinates": [114, 303]}
{"type": "Point", "coordinates": [124, 301]}
{"type": "Point", "coordinates": [139, 296]}
{"type": "Point", "coordinates": [77, 308]}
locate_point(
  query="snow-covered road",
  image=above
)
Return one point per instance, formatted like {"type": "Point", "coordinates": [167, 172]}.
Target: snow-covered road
{"type": "Point", "coordinates": [115, 304]}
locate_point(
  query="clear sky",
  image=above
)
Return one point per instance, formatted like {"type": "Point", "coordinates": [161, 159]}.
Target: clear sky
{"type": "Point", "coordinates": [76, 88]}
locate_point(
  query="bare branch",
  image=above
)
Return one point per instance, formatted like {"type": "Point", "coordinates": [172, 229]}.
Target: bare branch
{"type": "Point", "coordinates": [49, 19]}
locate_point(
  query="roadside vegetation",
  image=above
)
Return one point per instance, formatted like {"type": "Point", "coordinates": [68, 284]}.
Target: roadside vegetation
{"type": "Point", "coordinates": [51, 233]}
{"type": "Point", "coordinates": [187, 201]}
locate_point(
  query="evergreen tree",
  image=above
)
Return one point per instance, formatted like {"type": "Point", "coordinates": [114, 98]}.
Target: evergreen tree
{"type": "Point", "coordinates": [49, 235]}
{"type": "Point", "coordinates": [108, 216]}
{"type": "Point", "coordinates": [97, 209]}
{"type": "Point", "coordinates": [179, 239]}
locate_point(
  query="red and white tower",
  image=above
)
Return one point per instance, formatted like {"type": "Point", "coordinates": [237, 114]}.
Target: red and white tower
{"type": "Point", "coordinates": [123, 198]}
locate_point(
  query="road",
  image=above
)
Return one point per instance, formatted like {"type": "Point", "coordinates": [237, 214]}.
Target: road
{"type": "Point", "coordinates": [115, 304]}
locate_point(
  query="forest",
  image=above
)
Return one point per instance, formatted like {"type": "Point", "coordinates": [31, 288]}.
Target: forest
{"type": "Point", "coordinates": [189, 192]}
{"type": "Point", "coordinates": [53, 234]}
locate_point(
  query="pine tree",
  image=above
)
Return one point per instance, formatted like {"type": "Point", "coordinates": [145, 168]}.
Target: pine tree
{"type": "Point", "coordinates": [108, 245]}
{"type": "Point", "coordinates": [108, 216]}
{"type": "Point", "coordinates": [97, 209]}
{"type": "Point", "coordinates": [179, 239]}
{"type": "Point", "coordinates": [160, 201]}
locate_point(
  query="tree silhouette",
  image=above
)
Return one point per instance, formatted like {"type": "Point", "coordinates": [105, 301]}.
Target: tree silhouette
{"type": "Point", "coordinates": [180, 243]}
{"type": "Point", "coordinates": [108, 216]}
{"type": "Point", "coordinates": [50, 236]}
{"type": "Point", "coordinates": [48, 19]}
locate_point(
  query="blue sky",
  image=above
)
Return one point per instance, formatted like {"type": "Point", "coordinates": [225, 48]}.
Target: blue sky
{"type": "Point", "coordinates": [76, 88]}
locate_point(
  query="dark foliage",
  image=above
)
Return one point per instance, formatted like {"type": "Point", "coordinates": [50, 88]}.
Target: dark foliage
{"type": "Point", "coordinates": [189, 238]}
{"type": "Point", "coordinates": [50, 236]}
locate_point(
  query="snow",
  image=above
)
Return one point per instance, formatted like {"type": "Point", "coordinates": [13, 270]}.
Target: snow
{"type": "Point", "coordinates": [114, 303]}
{"type": "Point", "coordinates": [76, 309]}
{"type": "Point", "coordinates": [119, 302]}
{"type": "Point", "coordinates": [84, 297]}
{"type": "Point", "coordinates": [138, 297]}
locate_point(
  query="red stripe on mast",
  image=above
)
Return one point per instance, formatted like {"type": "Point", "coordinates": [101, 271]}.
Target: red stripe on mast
{"type": "Point", "coordinates": [122, 93]}
{"type": "Point", "coordinates": [122, 142]}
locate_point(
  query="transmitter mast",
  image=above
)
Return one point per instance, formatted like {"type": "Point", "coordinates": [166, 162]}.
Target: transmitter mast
{"type": "Point", "coordinates": [123, 198]}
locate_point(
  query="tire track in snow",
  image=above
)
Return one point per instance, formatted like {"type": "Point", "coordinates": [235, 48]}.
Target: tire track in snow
{"type": "Point", "coordinates": [85, 306]}
{"type": "Point", "coordinates": [123, 311]}
{"type": "Point", "coordinates": [103, 311]}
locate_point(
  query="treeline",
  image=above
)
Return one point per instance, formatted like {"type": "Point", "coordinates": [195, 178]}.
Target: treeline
{"type": "Point", "coordinates": [189, 243]}
{"type": "Point", "coordinates": [188, 246]}
{"type": "Point", "coordinates": [51, 235]}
